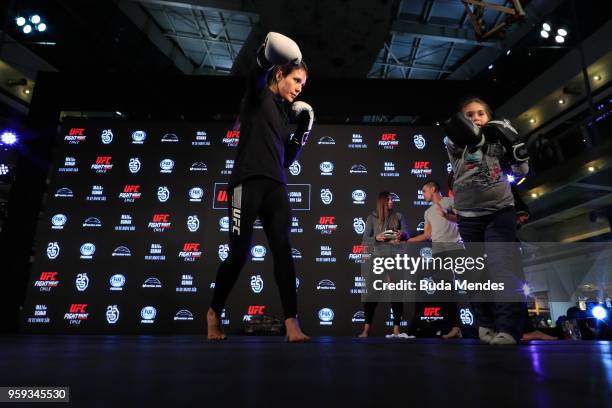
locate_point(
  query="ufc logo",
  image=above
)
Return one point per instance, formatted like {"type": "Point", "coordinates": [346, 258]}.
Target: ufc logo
{"type": "Point", "coordinates": [222, 196]}
{"type": "Point", "coordinates": [421, 165]}
{"type": "Point", "coordinates": [76, 132]}
{"type": "Point", "coordinates": [131, 188]}
{"type": "Point", "coordinates": [233, 134]}
{"type": "Point", "coordinates": [431, 311]}
{"type": "Point", "coordinates": [191, 247]}
{"type": "Point", "coordinates": [48, 276]}
{"type": "Point", "coordinates": [255, 310]}
{"type": "Point", "coordinates": [78, 308]}
{"type": "Point", "coordinates": [359, 249]}
{"type": "Point", "coordinates": [388, 136]}
{"type": "Point", "coordinates": [236, 220]}
{"type": "Point", "coordinates": [103, 160]}
{"type": "Point", "coordinates": [161, 218]}
{"type": "Point", "coordinates": [326, 220]}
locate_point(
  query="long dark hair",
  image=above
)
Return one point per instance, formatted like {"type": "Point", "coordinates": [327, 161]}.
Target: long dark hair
{"type": "Point", "coordinates": [383, 213]}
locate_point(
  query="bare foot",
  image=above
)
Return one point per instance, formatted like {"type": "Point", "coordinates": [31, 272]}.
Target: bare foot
{"type": "Point", "coordinates": [294, 333]}
{"type": "Point", "coordinates": [214, 326]}
{"type": "Point", "coordinates": [455, 333]}
{"type": "Point", "coordinates": [537, 335]}
{"type": "Point", "coordinates": [366, 331]}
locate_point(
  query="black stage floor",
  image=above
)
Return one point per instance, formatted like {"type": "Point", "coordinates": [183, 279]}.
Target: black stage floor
{"type": "Point", "coordinates": [172, 371]}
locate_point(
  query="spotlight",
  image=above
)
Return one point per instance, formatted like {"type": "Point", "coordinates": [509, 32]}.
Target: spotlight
{"type": "Point", "coordinates": [534, 195]}
{"type": "Point", "coordinates": [27, 91]}
{"type": "Point", "coordinates": [27, 29]}
{"type": "Point", "coordinates": [591, 169]}
{"type": "Point", "coordinates": [544, 34]}
{"type": "Point", "coordinates": [8, 138]}
{"type": "Point", "coordinates": [597, 78]}
{"type": "Point", "coordinates": [491, 66]}
{"type": "Point", "coordinates": [561, 101]}
{"type": "Point", "coordinates": [4, 169]}
{"type": "Point", "coordinates": [42, 27]}
{"type": "Point", "coordinates": [560, 39]}
{"type": "Point", "coordinates": [508, 52]}
{"type": "Point", "coordinates": [510, 178]}
{"type": "Point", "coordinates": [20, 21]}
{"type": "Point", "coordinates": [546, 27]}
{"type": "Point", "coordinates": [526, 289]}
{"type": "Point", "coordinates": [599, 312]}
{"type": "Point", "coordinates": [562, 32]}
{"type": "Point", "coordinates": [35, 19]}
{"type": "Point", "coordinates": [532, 120]}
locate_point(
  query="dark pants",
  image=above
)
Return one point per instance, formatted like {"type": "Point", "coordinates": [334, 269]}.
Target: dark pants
{"type": "Point", "coordinates": [267, 199]}
{"type": "Point", "coordinates": [500, 226]}
{"type": "Point", "coordinates": [370, 308]}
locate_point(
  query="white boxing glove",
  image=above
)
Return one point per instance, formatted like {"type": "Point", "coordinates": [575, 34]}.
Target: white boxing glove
{"type": "Point", "coordinates": [278, 49]}
{"type": "Point", "coordinates": [304, 117]}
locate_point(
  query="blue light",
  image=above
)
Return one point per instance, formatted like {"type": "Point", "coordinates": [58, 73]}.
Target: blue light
{"type": "Point", "coordinates": [599, 312]}
{"type": "Point", "coordinates": [8, 138]}
{"type": "Point", "coordinates": [510, 178]}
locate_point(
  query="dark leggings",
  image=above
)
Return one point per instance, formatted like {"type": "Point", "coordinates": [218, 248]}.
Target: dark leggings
{"type": "Point", "coordinates": [267, 199]}
{"type": "Point", "coordinates": [370, 308]}
{"type": "Point", "coordinates": [497, 227]}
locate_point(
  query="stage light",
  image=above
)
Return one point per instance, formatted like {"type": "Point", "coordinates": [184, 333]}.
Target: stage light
{"type": "Point", "coordinates": [534, 195]}
{"type": "Point", "coordinates": [521, 181]}
{"type": "Point", "coordinates": [526, 289]}
{"type": "Point", "coordinates": [560, 39]}
{"type": "Point", "coordinates": [491, 66]}
{"type": "Point", "coordinates": [35, 19]}
{"type": "Point", "coordinates": [597, 78]}
{"type": "Point", "coordinates": [27, 29]}
{"type": "Point", "coordinates": [27, 91]}
{"type": "Point", "coordinates": [546, 27]}
{"type": "Point", "coordinates": [599, 312]}
{"type": "Point", "coordinates": [532, 120]}
{"type": "Point", "coordinates": [544, 34]}
{"type": "Point", "coordinates": [562, 32]}
{"type": "Point", "coordinates": [591, 169]}
{"type": "Point", "coordinates": [20, 21]}
{"type": "Point", "coordinates": [508, 52]}
{"type": "Point", "coordinates": [8, 138]}
{"type": "Point", "coordinates": [42, 27]}
{"type": "Point", "coordinates": [4, 169]}
{"type": "Point", "coordinates": [510, 178]}
{"type": "Point", "coordinates": [561, 101]}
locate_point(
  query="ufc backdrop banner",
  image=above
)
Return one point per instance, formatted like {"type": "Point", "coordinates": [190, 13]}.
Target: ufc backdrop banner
{"type": "Point", "coordinates": [135, 224]}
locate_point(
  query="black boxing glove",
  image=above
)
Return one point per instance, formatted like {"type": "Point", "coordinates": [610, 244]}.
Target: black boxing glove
{"type": "Point", "coordinates": [462, 131]}
{"type": "Point", "coordinates": [502, 131]}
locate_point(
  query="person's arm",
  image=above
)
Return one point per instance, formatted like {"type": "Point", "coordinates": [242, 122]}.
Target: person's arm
{"type": "Point", "coordinates": [425, 236]}
{"type": "Point", "coordinates": [404, 235]}
{"type": "Point", "coordinates": [369, 228]}
{"type": "Point", "coordinates": [447, 215]}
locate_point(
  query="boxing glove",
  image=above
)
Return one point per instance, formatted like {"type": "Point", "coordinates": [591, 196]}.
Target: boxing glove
{"type": "Point", "coordinates": [502, 131]}
{"type": "Point", "coordinates": [462, 131]}
{"type": "Point", "coordinates": [278, 49]}
{"type": "Point", "coordinates": [304, 117]}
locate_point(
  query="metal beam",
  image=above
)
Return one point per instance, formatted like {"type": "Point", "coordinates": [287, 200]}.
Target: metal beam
{"type": "Point", "coordinates": [229, 6]}
{"type": "Point", "coordinates": [440, 33]}
{"type": "Point", "coordinates": [535, 12]}
{"type": "Point", "coordinates": [170, 49]}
